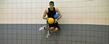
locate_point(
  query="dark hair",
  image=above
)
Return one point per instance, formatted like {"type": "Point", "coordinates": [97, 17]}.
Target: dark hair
{"type": "Point", "coordinates": [51, 2]}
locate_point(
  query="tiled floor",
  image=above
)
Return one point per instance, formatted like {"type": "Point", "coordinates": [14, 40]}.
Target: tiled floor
{"type": "Point", "coordinates": [68, 34]}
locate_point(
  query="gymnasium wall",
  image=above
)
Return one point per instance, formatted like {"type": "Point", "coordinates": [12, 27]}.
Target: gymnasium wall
{"type": "Point", "coordinates": [73, 11]}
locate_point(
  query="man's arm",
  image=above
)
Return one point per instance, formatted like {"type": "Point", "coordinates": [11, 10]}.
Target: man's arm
{"type": "Point", "coordinates": [60, 15]}
{"type": "Point", "coordinates": [44, 15]}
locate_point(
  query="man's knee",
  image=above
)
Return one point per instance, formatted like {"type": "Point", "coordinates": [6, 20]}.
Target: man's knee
{"type": "Point", "coordinates": [56, 29]}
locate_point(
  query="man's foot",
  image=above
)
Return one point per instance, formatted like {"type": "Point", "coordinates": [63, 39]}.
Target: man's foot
{"type": "Point", "coordinates": [42, 28]}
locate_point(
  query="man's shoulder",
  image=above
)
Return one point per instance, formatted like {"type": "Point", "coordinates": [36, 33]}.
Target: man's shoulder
{"type": "Point", "coordinates": [56, 9]}
{"type": "Point", "coordinates": [46, 9]}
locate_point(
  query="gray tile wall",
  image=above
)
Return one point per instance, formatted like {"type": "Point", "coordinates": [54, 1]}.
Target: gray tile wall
{"type": "Point", "coordinates": [68, 34]}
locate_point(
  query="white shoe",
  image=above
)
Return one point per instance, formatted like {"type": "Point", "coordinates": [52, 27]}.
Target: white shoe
{"type": "Point", "coordinates": [42, 28]}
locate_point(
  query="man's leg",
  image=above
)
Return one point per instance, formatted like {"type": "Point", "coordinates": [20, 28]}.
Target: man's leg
{"type": "Point", "coordinates": [56, 29]}
{"type": "Point", "coordinates": [49, 31]}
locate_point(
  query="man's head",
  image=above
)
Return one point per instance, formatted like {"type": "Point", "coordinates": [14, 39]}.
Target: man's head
{"type": "Point", "coordinates": [51, 4]}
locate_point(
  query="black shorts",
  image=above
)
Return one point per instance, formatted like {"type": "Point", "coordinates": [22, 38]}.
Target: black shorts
{"type": "Point", "coordinates": [54, 25]}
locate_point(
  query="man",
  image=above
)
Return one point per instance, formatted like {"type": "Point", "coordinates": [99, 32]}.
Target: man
{"type": "Point", "coordinates": [50, 12]}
